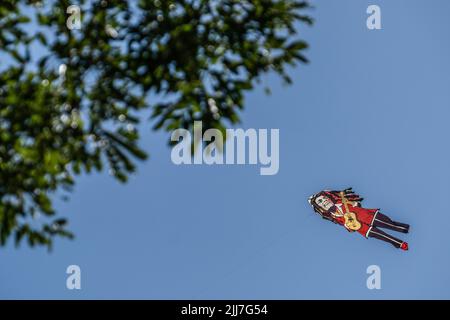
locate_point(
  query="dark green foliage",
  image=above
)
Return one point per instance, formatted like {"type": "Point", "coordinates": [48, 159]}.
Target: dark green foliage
{"type": "Point", "coordinates": [184, 60]}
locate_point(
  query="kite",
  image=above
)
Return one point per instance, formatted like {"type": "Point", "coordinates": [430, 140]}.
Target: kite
{"type": "Point", "coordinates": [344, 208]}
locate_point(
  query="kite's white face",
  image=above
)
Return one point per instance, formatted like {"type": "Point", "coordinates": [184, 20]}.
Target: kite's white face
{"type": "Point", "coordinates": [324, 202]}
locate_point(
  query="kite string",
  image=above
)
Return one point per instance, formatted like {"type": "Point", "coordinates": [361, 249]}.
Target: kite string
{"type": "Point", "coordinates": [256, 252]}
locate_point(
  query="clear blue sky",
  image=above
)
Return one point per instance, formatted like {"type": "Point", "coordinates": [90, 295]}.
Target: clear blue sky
{"type": "Point", "coordinates": [371, 111]}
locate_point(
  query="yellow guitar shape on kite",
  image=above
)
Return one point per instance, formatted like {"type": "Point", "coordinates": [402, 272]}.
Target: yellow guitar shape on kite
{"type": "Point", "coordinates": [351, 222]}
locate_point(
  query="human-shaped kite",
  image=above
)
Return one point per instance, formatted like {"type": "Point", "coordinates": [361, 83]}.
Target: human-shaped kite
{"type": "Point", "coordinates": [344, 208]}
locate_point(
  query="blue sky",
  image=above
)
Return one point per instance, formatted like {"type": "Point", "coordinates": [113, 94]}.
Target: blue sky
{"type": "Point", "coordinates": [370, 111]}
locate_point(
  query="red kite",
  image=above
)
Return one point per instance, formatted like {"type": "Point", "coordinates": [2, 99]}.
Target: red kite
{"type": "Point", "coordinates": [344, 208]}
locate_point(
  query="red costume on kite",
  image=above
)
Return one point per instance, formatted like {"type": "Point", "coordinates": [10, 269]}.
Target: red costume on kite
{"type": "Point", "coordinates": [344, 208]}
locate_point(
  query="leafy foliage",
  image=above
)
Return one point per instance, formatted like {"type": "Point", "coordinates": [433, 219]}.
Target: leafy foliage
{"type": "Point", "coordinates": [70, 99]}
